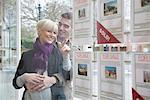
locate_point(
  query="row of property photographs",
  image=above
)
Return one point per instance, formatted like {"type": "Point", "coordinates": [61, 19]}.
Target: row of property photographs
{"type": "Point", "coordinates": [110, 8]}
{"type": "Point", "coordinates": [110, 72]}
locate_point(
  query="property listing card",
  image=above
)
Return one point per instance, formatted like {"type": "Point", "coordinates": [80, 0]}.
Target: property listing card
{"type": "Point", "coordinates": [111, 76]}
{"type": "Point", "coordinates": [110, 16]}
{"type": "Point", "coordinates": [82, 74]}
{"type": "Point", "coordinates": [142, 74]}
{"type": "Point", "coordinates": [82, 22]}
{"type": "Point", "coordinates": [110, 8]}
{"type": "Point", "coordinates": [141, 20]}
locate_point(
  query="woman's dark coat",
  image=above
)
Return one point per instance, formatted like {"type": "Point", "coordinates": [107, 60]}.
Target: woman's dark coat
{"type": "Point", "coordinates": [55, 68]}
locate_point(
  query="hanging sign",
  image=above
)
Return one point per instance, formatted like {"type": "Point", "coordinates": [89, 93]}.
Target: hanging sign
{"type": "Point", "coordinates": [136, 95]}
{"type": "Point", "coordinates": [104, 36]}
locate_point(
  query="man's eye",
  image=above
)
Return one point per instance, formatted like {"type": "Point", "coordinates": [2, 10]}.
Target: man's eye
{"type": "Point", "coordinates": [66, 26]}
{"type": "Point", "coordinates": [60, 23]}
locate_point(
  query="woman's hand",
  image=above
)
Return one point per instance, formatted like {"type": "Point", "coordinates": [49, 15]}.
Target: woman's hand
{"type": "Point", "coordinates": [33, 78]}
{"type": "Point", "coordinates": [46, 83]}
{"type": "Point", "coordinates": [34, 87]}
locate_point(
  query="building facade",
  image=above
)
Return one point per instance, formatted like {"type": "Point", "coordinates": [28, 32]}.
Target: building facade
{"type": "Point", "coordinates": [8, 33]}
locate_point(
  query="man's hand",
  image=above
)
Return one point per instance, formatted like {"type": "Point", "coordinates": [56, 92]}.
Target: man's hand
{"type": "Point", "coordinates": [64, 48]}
{"type": "Point", "coordinates": [48, 82]}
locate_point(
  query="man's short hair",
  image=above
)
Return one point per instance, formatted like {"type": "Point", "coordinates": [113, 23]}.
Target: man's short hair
{"type": "Point", "coordinates": [67, 15]}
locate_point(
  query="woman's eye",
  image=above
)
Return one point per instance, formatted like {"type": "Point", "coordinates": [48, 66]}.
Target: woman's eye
{"type": "Point", "coordinates": [49, 31]}
{"type": "Point", "coordinates": [54, 32]}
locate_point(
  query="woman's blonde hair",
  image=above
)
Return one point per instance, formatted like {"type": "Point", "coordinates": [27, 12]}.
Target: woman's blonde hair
{"type": "Point", "coordinates": [47, 24]}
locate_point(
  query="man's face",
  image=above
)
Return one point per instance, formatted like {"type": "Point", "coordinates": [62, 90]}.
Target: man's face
{"type": "Point", "coordinates": [64, 29]}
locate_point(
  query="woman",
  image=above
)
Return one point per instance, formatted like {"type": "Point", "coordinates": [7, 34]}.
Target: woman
{"type": "Point", "coordinates": [40, 70]}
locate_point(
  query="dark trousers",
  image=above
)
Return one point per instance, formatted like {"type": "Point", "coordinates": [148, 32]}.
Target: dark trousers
{"type": "Point", "coordinates": [59, 97]}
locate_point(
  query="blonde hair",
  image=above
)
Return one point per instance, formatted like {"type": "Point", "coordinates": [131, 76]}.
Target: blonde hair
{"type": "Point", "coordinates": [47, 24]}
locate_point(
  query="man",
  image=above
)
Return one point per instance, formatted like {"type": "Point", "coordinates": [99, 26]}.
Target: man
{"type": "Point", "coordinates": [64, 26]}
{"type": "Point", "coordinates": [64, 31]}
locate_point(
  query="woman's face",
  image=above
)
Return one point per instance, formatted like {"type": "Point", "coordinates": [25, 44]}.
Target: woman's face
{"type": "Point", "coordinates": [47, 36]}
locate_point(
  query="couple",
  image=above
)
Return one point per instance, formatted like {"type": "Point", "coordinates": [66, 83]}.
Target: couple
{"type": "Point", "coordinates": [44, 70]}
